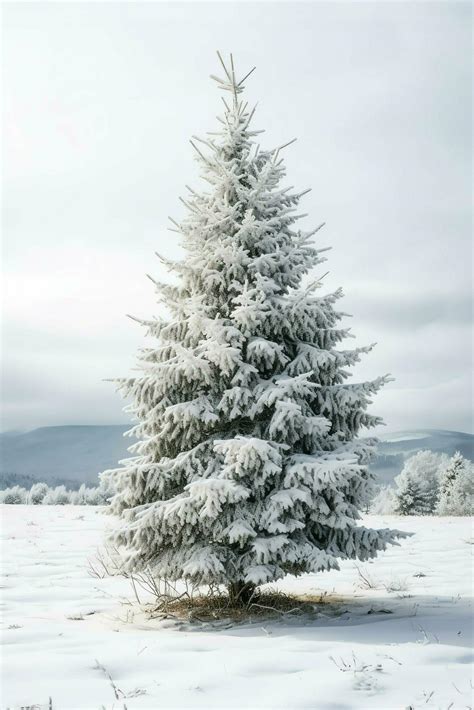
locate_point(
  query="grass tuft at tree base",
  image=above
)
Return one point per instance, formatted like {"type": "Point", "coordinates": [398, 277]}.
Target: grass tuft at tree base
{"type": "Point", "coordinates": [220, 606]}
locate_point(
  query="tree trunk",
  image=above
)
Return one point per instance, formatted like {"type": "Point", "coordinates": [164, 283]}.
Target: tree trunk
{"type": "Point", "coordinates": [240, 593]}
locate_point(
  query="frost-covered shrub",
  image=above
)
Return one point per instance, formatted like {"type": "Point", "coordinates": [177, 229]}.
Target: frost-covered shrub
{"type": "Point", "coordinates": [90, 496]}
{"type": "Point", "coordinates": [74, 498]}
{"type": "Point", "coordinates": [457, 487]}
{"type": "Point", "coordinates": [107, 490]}
{"type": "Point", "coordinates": [14, 496]}
{"type": "Point", "coordinates": [96, 496]}
{"type": "Point", "coordinates": [57, 496]}
{"type": "Point", "coordinates": [42, 494]}
{"type": "Point", "coordinates": [37, 493]}
{"type": "Point", "coordinates": [78, 497]}
{"type": "Point", "coordinates": [385, 502]}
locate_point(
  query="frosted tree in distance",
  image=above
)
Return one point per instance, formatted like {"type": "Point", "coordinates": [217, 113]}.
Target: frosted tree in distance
{"type": "Point", "coordinates": [450, 474]}
{"type": "Point", "coordinates": [248, 464]}
{"type": "Point", "coordinates": [457, 487]}
{"type": "Point", "coordinates": [411, 497]}
{"type": "Point", "coordinates": [419, 482]}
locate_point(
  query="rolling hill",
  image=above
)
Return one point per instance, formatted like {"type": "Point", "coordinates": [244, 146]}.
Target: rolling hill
{"type": "Point", "coordinates": [76, 454]}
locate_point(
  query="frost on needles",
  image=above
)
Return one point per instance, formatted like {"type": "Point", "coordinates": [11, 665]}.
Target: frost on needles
{"type": "Point", "coordinates": [248, 464]}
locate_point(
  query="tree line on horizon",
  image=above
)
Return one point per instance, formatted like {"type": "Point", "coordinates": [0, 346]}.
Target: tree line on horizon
{"type": "Point", "coordinates": [430, 483]}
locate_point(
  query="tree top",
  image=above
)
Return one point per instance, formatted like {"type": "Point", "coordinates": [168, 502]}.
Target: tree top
{"type": "Point", "coordinates": [230, 83]}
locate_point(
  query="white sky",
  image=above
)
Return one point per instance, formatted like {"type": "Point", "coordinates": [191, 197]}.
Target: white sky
{"type": "Point", "coordinates": [99, 102]}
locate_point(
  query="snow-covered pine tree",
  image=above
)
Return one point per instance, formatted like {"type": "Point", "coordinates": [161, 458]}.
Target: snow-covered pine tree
{"type": "Point", "coordinates": [423, 468]}
{"type": "Point", "coordinates": [411, 497]}
{"type": "Point", "coordinates": [456, 490]}
{"type": "Point", "coordinates": [248, 465]}
{"type": "Point", "coordinates": [450, 473]}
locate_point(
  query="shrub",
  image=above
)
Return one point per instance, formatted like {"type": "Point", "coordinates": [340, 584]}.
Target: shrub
{"type": "Point", "coordinates": [385, 502]}
{"type": "Point", "coordinates": [14, 496]}
{"type": "Point", "coordinates": [57, 496]}
{"type": "Point", "coordinates": [37, 493]}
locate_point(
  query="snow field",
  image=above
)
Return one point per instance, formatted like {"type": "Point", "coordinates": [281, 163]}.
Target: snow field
{"type": "Point", "coordinates": [64, 631]}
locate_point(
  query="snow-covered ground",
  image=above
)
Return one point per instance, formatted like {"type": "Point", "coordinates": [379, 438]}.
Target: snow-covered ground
{"type": "Point", "coordinates": [64, 631]}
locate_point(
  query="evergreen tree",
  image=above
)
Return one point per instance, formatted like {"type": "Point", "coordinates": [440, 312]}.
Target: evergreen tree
{"type": "Point", "coordinates": [248, 464]}
{"type": "Point", "coordinates": [456, 487]}
{"type": "Point", "coordinates": [411, 497]}
{"type": "Point", "coordinates": [424, 467]}
{"type": "Point", "coordinates": [450, 473]}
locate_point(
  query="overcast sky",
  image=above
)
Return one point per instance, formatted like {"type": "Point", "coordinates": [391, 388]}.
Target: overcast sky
{"type": "Point", "coordinates": [99, 103]}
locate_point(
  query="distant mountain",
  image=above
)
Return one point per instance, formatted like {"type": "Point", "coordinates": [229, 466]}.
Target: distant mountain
{"type": "Point", "coordinates": [73, 454]}
{"type": "Point", "coordinates": [76, 454]}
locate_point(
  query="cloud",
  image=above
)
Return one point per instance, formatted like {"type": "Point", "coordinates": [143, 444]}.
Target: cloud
{"type": "Point", "coordinates": [407, 307]}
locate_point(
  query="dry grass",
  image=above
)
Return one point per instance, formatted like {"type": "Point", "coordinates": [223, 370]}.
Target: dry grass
{"type": "Point", "coordinates": [216, 606]}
